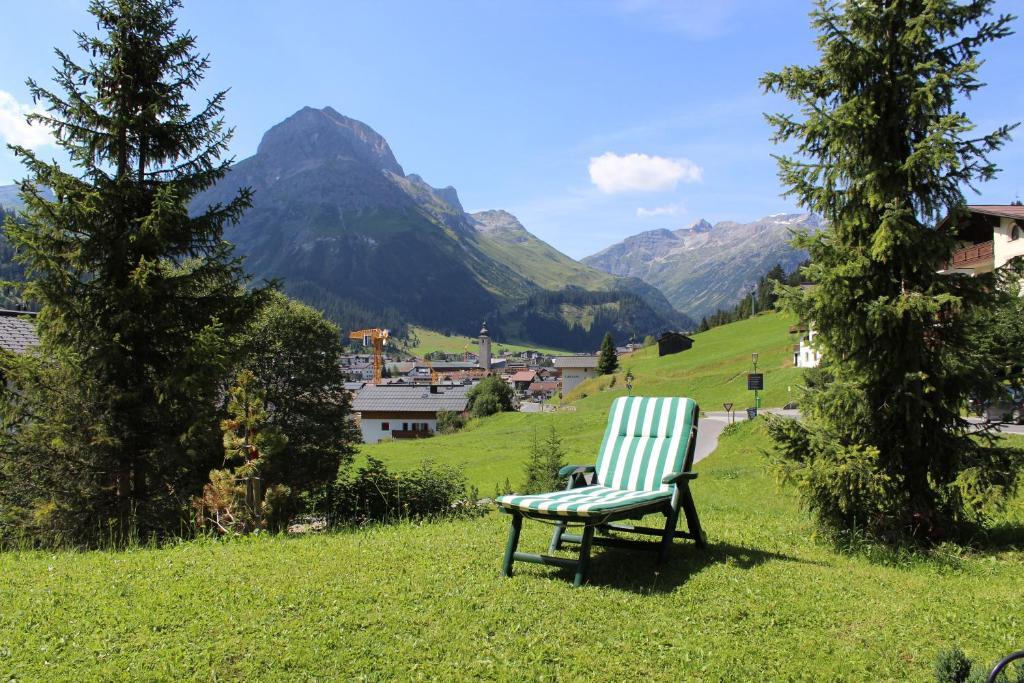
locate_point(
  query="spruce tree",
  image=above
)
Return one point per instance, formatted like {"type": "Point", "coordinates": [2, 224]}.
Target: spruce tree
{"type": "Point", "coordinates": [608, 360]}
{"type": "Point", "coordinates": [546, 458]}
{"type": "Point", "coordinates": [883, 153]}
{"type": "Point", "coordinates": [139, 298]}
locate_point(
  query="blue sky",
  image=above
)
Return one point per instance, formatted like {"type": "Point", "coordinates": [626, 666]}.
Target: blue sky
{"type": "Point", "coordinates": [590, 120]}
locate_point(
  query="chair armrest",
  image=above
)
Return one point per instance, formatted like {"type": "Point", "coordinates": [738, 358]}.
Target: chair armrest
{"type": "Point", "coordinates": [677, 477]}
{"type": "Point", "coordinates": [570, 470]}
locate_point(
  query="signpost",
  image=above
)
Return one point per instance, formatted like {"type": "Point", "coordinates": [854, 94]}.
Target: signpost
{"type": "Point", "coordinates": [755, 383]}
{"type": "Point", "coordinates": [728, 411]}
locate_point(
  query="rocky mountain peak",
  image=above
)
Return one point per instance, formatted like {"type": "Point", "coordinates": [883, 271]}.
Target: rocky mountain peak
{"type": "Point", "coordinates": [496, 220]}
{"type": "Point", "coordinates": [319, 134]}
{"type": "Point", "coordinates": [699, 226]}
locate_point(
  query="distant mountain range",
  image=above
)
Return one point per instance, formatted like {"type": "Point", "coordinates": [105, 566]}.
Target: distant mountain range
{"type": "Point", "coordinates": [336, 217]}
{"type": "Point", "coordinates": [706, 267]}
{"type": "Point", "coordinates": [339, 222]}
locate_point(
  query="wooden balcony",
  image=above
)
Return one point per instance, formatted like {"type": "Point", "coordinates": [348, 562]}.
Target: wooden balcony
{"type": "Point", "coordinates": [971, 256]}
{"type": "Point", "coordinates": [411, 433]}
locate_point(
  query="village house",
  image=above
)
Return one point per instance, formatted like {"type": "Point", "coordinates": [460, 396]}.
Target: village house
{"type": "Point", "coordinates": [804, 353]}
{"type": "Point", "coordinates": [542, 390]}
{"type": "Point", "coordinates": [522, 380]}
{"type": "Point", "coordinates": [575, 369]}
{"type": "Point", "coordinates": [988, 237]}
{"type": "Point", "coordinates": [393, 411]}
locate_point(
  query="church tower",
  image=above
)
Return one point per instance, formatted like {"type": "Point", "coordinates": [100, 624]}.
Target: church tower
{"type": "Point", "coordinates": [485, 348]}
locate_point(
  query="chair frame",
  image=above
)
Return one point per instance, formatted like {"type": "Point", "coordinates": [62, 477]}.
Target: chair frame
{"type": "Point", "coordinates": [681, 501]}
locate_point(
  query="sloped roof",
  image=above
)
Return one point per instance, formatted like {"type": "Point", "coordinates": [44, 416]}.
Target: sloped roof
{"type": "Point", "coordinates": [411, 398]}
{"type": "Point", "coordinates": [523, 376]}
{"type": "Point", "coordinates": [575, 361]}
{"type": "Point", "coordinates": [1004, 210]}
{"type": "Point", "coordinates": [669, 334]}
{"type": "Point", "coordinates": [17, 332]}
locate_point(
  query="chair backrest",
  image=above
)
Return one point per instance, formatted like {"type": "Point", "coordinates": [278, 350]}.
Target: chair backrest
{"type": "Point", "coordinates": [646, 439]}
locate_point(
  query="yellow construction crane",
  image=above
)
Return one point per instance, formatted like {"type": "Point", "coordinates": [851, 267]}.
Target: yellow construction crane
{"type": "Point", "coordinates": [376, 338]}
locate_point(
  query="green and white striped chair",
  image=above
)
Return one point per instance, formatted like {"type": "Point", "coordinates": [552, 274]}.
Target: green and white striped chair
{"type": "Point", "coordinates": [643, 467]}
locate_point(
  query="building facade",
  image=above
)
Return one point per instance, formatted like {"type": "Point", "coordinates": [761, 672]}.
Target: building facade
{"type": "Point", "coordinates": [575, 369]}
{"type": "Point", "coordinates": [392, 411]}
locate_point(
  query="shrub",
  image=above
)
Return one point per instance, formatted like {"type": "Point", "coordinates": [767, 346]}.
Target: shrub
{"type": "Point", "coordinates": [449, 422]}
{"type": "Point", "coordinates": [374, 494]}
{"type": "Point", "coordinates": [492, 395]}
{"type": "Point", "coordinates": [953, 666]}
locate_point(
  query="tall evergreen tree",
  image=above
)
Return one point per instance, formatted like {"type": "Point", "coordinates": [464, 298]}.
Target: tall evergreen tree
{"type": "Point", "coordinates": [139, 298]}
{"type": "Point", "coordinates": [608, 360]}
{"type": "Point", "coordinates": [883, 154]}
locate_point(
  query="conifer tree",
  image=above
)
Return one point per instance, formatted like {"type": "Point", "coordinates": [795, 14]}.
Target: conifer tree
{"type": "Point", "coordinates": [883, 154]}
{"type": "Point", "coordinates": [608, 360]}
{"type": "Point", "coordinates": [545, 460]}
{"type": "Point", "coordinates": [139, 297]}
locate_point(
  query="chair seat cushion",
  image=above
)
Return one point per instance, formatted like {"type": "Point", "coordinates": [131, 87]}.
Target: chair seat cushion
{"type": "Point", "coordinates": [588, 501]}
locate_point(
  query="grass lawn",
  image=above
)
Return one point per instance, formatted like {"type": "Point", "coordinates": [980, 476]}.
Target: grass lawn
{"type": "Point", "coordinates": [435, 341]}
{"type": "Point", "coordinates": [765, 601]}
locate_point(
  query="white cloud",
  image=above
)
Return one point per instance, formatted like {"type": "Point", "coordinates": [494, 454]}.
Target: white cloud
{"type": "Point", "coordinates": [15, 130]}
{"type": "Point", "coordinates": [641, 173]}
{"type": "Point", "coordinates": [670, 210]}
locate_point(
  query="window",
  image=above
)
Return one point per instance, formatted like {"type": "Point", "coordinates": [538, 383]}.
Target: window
{"type": "Point", "coordinates": [1015, 232]}
{"type": "Point", "coordinates": [384, 426]}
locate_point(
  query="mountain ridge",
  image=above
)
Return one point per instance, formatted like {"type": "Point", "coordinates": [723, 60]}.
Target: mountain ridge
{"type": "Point", "coordinates": [338, 219]}
{"type": "Point", "coordinates": [704, 267]}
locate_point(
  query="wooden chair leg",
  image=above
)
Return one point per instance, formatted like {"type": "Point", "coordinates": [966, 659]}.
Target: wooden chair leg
{"type": "Point", "coordinates": [556, 537]}
{"type": "Point", "coordinates": [692, 522]}
{"type": "Point", "coordinates": [584, 562]}
{"type": "Point", "coordinates": [671, 519]}
{"type": "Point", "coordinates": [513, 543]}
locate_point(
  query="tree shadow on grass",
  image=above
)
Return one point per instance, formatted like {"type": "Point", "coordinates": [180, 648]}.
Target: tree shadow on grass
{"type": "Point", "coordinates": [639, 571]}
{"type": "Point", "coordinates": [999, 538]}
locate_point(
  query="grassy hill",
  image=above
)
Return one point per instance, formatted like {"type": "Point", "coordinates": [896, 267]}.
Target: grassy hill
{"type": "Point", "coordinates": [767, 600]}
{"type": "Point", "coordinates": [712, 372]}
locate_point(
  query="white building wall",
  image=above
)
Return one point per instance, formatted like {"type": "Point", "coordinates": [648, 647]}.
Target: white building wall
{"type": "Point", "coordinates": [807, 356]}
{"type": "Point", "coordinates": [573, 376]}
{"type": "Point", "coordinates": [373, 429]}
{"type": "Point", "coordinates": [1003, 246]}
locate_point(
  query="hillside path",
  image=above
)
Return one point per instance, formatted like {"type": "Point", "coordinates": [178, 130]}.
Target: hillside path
{"type": "Point", "coordinates": [712, 424]}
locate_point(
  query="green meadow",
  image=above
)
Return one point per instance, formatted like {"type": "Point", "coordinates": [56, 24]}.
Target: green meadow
{"type": "Point", "coordinates": [429, 341]}
{"type": "Point", "coordinates": [767, 600]}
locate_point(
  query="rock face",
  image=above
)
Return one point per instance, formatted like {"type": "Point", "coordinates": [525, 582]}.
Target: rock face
{"type": "Point", "coordinates": [702, 267]}
{"type": "Point", "coordinates": [337, 219]}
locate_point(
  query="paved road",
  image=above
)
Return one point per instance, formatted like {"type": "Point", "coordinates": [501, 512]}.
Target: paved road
{"type": "Point", "coordinates": [712, 424]}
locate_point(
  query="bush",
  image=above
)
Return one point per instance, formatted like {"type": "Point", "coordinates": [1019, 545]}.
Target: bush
{"type": "Point", "coordinates": [375, 494]}
{"type": "Point", "coordinates": [449, 422]}
{"type": "Point", "coordinates": [492, 395]}
{"type": "Point", "coordinates": [953, 666]}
